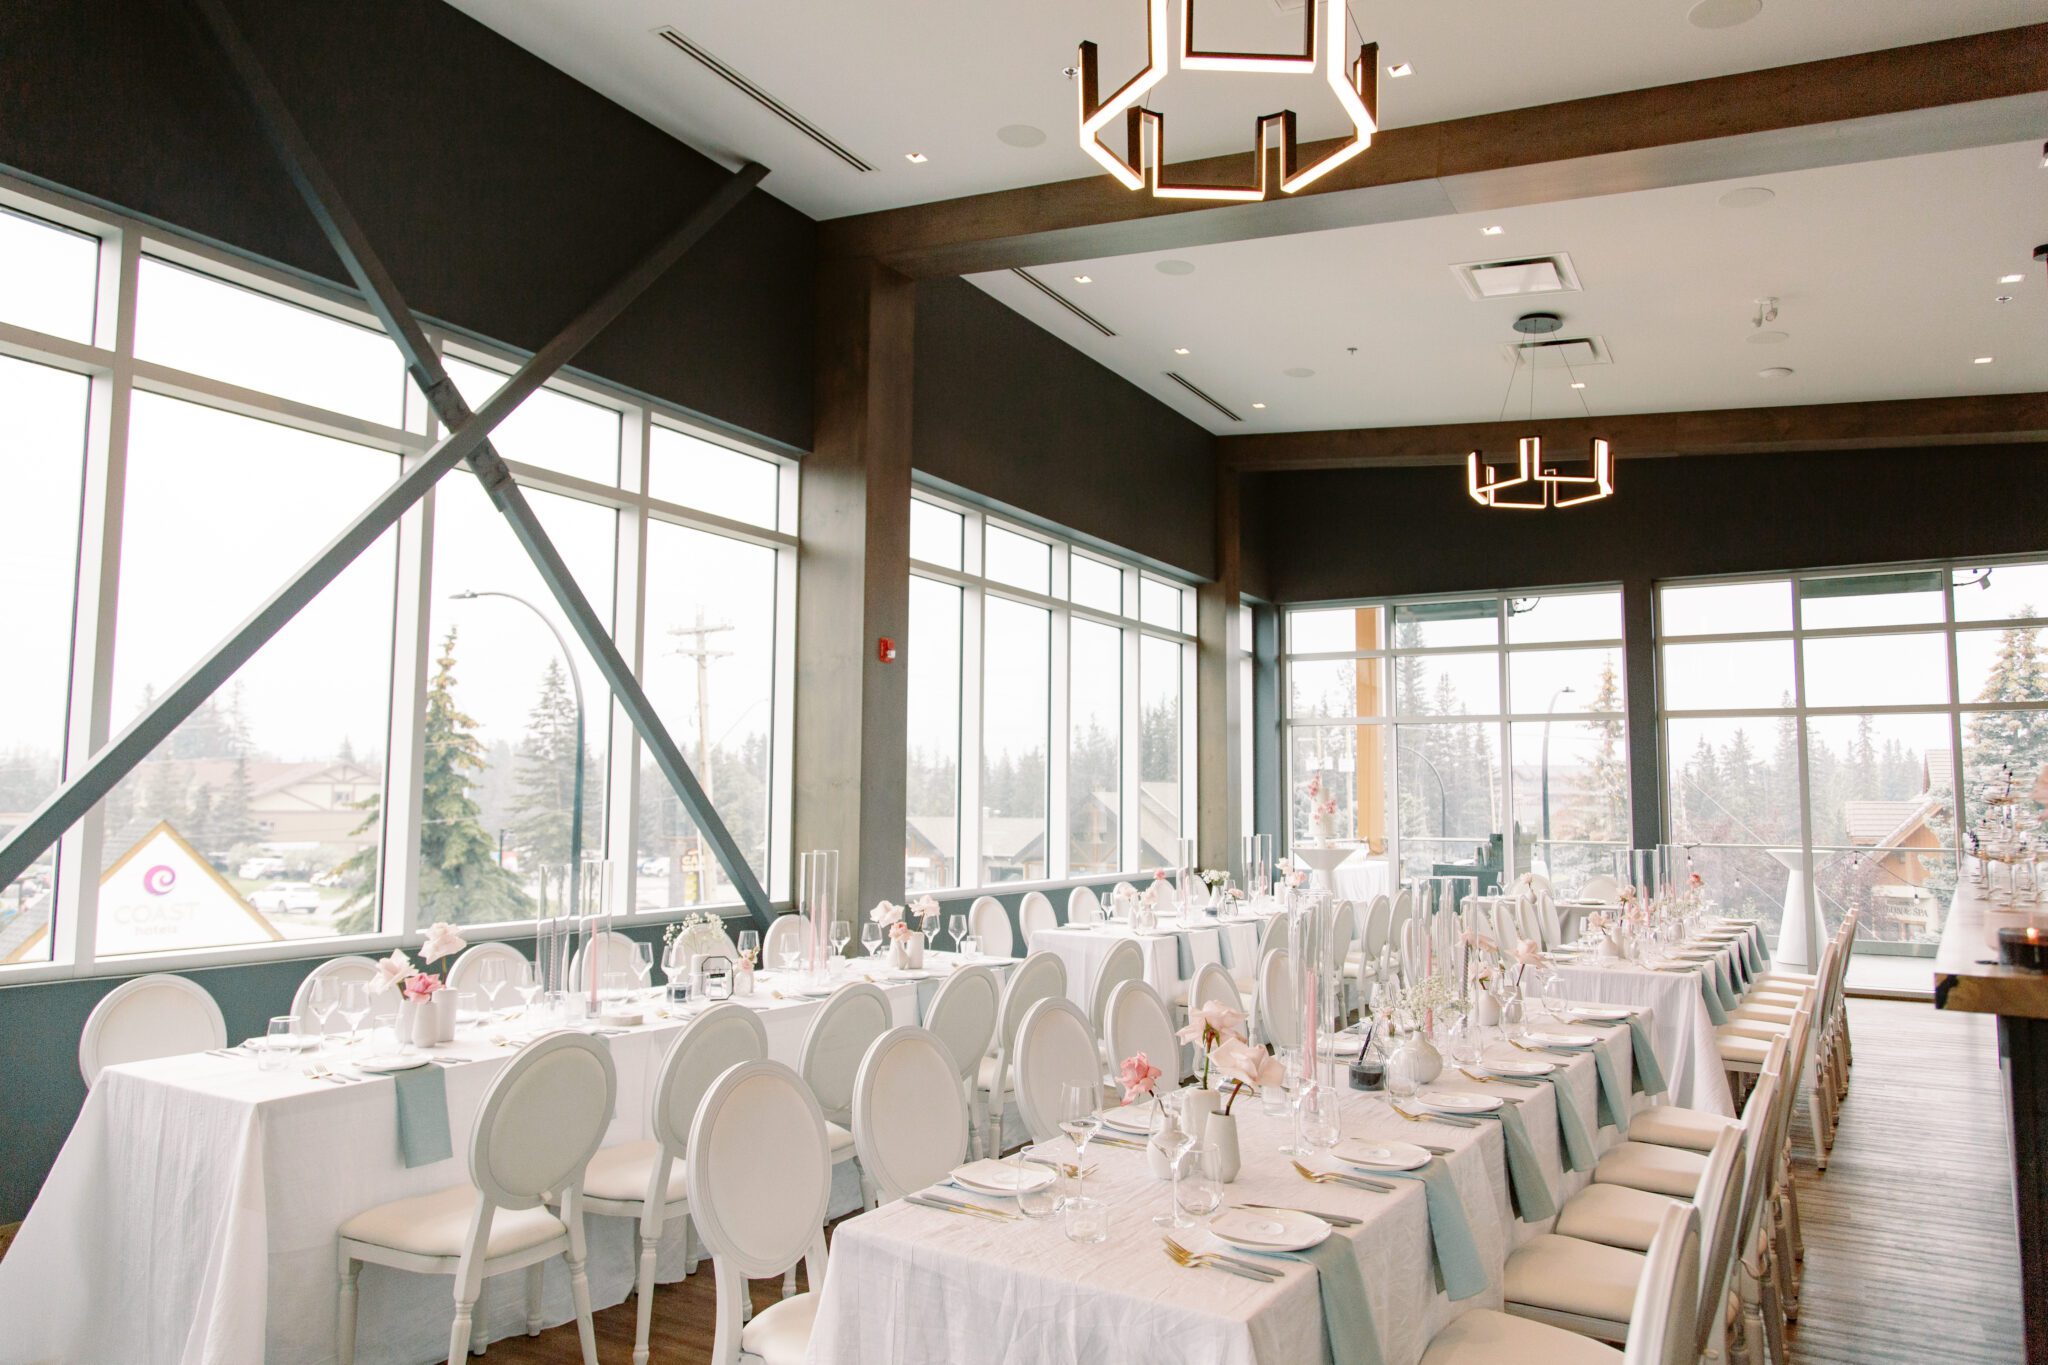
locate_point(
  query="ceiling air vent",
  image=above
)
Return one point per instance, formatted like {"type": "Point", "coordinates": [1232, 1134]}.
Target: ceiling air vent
{"type": "Point", "coordinates": [1512, 279]}
{"type": "Point", "coordinates": [1182, 380]}
{"type": "Point", "coordinates": [1560, 352]}
{"type": "Point", "coordinates": [759, 96]}
{"type": "Point", "coordinates": [1063, 301]}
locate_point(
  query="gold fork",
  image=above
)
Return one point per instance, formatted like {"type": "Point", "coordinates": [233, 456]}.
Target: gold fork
{"type": "Point", "coordinates": [1189, 1256]}
{"type": "Point", "coordinates": [1336, 1178]}
{"type": "Point", "coordinates": [1210, 1261]}
{"type": "Point", "coordinates": [1494, 1080]}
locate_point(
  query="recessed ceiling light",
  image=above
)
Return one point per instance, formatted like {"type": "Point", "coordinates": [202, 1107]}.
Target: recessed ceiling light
{"type": "Point", "coordinates": [1175, 267]}
{"type": "Point", "coordinates": [1723, 13]}
{"type": "Point", "coordinates": [1748, 197]}
{"type": "Point", "coordinates": [1768, 338]}
{"type": "Point", "coordinates": [1982, 360]}
{"type": "Point", "coordinates": [2012, 279]}
{"type": "Point", "coordinates": [1084, 279]}
{"type": "Point", "coordinates": [1578, 383]}
{"type": "Point", "coordinates": [1020, 135]}
{"type": "Point", "coordinates": [1298, 372]}
{"type": "Point", "coordinates": [2005, 298]}
{"type": "Point", "coordinates": [1400, 69]}
{"type": "Point", "coordinates": [1492, 230]}
{"type": "Point", "coordinates": [1775, 372]}
{"type": "Point", "coordinates": [1180, 350]}
{"type": "Point", "coordinates": [916, 158]}
{"type": "Point", "coordinates": [1260, 406]}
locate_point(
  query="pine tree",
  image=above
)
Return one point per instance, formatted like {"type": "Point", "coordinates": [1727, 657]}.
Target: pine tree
{"type": "Point", "coordinates": [1610, 765]}
{"type": "Point", "coordinates": [2012, 739]}
{"type": "Point", "coordinates": [541, 810]}
{"type": "Point", "coordinates": [233, 825]}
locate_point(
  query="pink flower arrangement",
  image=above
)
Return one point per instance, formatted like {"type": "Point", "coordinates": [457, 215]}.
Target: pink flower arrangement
{"type": "Point", "coordinates": [443, 940]}
{"type": "Point", "coordinates": [886, 913]}
{"type": "Point", "coordinates": [1528, 953]}
{"type": "Point", "coordinates": [899, 932]}
{"type": "Point", "coordinates": [1210, 1025]}
{"type": "Point", "coordinates": [1138, 1076]}
{"type": "Point", "coordinates": [420, 986]}
{"type": "Point", "coordinates": [1318, 803]}
{"type": "Point", "coordinates": [1246, 1065]}
{"type": "Point", "coordinates": [926, 908]}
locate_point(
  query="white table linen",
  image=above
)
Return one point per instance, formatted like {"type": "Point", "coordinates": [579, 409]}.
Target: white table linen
{"type": "Point", "coordinates": [910, 1286]}
{"type": "Point", "coordinates": [1083, 949]}
{"type": "Point", "coordinates": [1362, 878]}
{"type": "Point", "coordinates": [1681, 1031]}
{"type": "Point", "coordinates": [191, 1216]}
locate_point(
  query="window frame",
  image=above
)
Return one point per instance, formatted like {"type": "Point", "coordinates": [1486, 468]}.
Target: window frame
{"type": "Point", "coordinates": [115, 374]}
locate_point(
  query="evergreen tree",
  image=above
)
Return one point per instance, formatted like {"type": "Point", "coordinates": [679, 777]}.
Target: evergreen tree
{"type": "Point", "coordinates": [1610, 764]}
{"type": "Point", "coordinates": [234, 826]}
{"type": "Point", "coordinates": [541, 810]}
{"type": "Point", "coordinates": [1996, 740]}
{"type": "Point", "coordinates": [201, 828]}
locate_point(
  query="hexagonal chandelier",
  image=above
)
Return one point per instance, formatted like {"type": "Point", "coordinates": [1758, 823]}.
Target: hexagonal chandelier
{"type": "Point", "coordinates": [1143, 162]}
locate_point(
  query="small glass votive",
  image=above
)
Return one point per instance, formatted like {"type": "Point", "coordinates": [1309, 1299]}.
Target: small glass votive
{"type": "Point", "coordinates": [1038, 1198]}
{"type": "Point", "coordinates": [279, 1039]}
{"type": "Point", "coordinates": [1086, 1218]}
{"type": "Point", "coordinates": [970, 947]}
{"type": "Point", "coordinates": [1368, 1073]}
{"type": "Point", "coordinates": [2023, 948]}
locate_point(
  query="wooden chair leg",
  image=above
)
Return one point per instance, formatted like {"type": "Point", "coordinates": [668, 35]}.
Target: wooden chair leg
{"type": "Point", "coordinates": [351, 1273]}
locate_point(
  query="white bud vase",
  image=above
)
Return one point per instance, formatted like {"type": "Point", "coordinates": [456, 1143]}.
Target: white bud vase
{"type": "Point", "coordinates": [898, 958]}
{"type": "Point", "coordinates": [913, 952]}
{"type": "Point", "coordinates": [426, 1022]}
{"type": "Point", "coordinates": [1416, 1059]}
{"type": "Point", "coordinates": [1195, 1108]}
{"type": "Point", "coordinates": [447, 1011]}
{"type": "Point", "coordinates": [1221, 1131]}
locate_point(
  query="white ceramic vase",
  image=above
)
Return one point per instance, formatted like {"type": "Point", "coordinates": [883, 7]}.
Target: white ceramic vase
{"type": "Point", "coordinates": [447, 1009]}
{"type": "Point", "coordinates": [1195, 1108]}
{"type": "Point", "coordinates": [1221, 1131]}
{"type": "Point", "coordinates": [898, 957]}
{"type": "Point", "coordinates": [1416, 1059]}
{"type": "Point", "coordinates": [913, 952]}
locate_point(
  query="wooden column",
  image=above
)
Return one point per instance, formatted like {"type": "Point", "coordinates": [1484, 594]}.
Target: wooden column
{"type": "Point", "coordinates": [853, 582]}
{"type": "Point", "coordinates": [1220, 707]}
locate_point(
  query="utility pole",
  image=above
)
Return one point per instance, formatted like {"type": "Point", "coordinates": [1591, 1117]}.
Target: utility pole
{"type": "Point", "coordinates": [698, 647]}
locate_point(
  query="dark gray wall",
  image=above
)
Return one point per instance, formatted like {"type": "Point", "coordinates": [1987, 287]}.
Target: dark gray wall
{"type": "Point", "coordinates": [1007, 410]}
{"type": "Point", "coordinates": [502, 193]}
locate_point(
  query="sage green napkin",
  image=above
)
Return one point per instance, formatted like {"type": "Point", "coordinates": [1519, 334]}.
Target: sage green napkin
{"type": "Point", "coordinates": [1648, 1076]}
{"type": "Point", "coordinates": [1713, 1000]}
{"type": "Point", "coordinates": [1613, 1094]}
{"type": "Point", "coordinates": [1183, 956]}
{"type": "Point", "coordinates": [1578, 1143]}
{"type": "Point", "coordinates": [1347, 1309]}
{"type": "Point", "coordinates": [1450, 1233]}
{"type": "Point", "coordinates": [1528, 1191]}
{"type": "Point", "coordinates": [1730, 998]}
{"type": "Point", "coordinates": [1223, 953]}
{"type": "Point", "coordinates": [423, 1115]}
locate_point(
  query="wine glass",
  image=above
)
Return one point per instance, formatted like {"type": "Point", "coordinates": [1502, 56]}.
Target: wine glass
{"type": "Point", "coordinates": [788, 957]}
{"type": "Point", "coordinates": [1176, 1140]}
{"type": "Point", "coordinates": [870, 937]}
{"type": "Point", "coordinates": [1555, 996]}
{"type": "Point", "coordinates": [354, 1005]}
{"type": "Point", "coordinates": [842, 934]}
{"type": "Point", "coordinates": [750, 944]}
{"type": "Point", "coordinates": [526, 981]}
{"type": "Point", "coordinates": [956, 925]}
{"type": "Point", "coordinates": [1198, 1193]}
{"type": "Point", "coordinates": [641, 964]}
{"type": "Point", "coordinates": [1079, 1119]}
{"type": "Point", "coordinates": [323, 1000]}
{"type": "Point", "coordinates": [490, 979]}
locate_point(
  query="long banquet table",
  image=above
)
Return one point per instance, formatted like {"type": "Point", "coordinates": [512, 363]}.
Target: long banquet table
{"type": "Point", "coordinates": [1202, 939]}
{"type": "Point", "coordinates": [910, 1286]}
{"type": "Point", "coordinates": [191, 1216]}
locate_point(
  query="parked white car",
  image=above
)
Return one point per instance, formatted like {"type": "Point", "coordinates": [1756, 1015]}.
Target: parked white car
{"type": "Point", "coordinates": [287, 897]}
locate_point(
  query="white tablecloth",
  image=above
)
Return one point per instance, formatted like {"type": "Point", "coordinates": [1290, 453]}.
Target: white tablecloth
{"type": "Point", "coordinates": [910, 1286]}
{"type": "Point", "coordinates": [1082, 950]}
{"type": "Point", "coordinates": [1363, 878]}
{"type": "Point", "coordinates": [191, 1216]}
{"type": "Point", "coordinates": [1680, 1029]}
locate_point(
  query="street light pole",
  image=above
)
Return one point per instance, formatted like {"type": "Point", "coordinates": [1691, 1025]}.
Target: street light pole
{"type": "Point", "coordinates": [1562, 691]}
{"type": "Point", "coordinates": [576, 687]}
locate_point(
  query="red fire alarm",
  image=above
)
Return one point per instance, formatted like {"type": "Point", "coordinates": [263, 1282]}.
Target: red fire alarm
{"type": "Point", "coordinates": [885, 650]}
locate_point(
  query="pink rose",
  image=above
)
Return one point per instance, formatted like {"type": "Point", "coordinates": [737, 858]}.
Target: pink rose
{"type": "Point", "coordinates": [1138, 1076]}
{"type": "Point", "coordinates": [421, 986]}
{"type": "Point", "coordinates": [899, 932]}
{"type": "Point", "coordinates": [1214, 1017]}
{"type": "Point", "coordinates": [393, 971]}
{"type": "Point", "coordinates": [443, 940]}
{"type": "Point", "coordinates": [885, 913]}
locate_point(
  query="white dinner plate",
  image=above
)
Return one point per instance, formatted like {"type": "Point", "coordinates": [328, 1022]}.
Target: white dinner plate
{"type": "Point", "coordinates": [910, 974]}
{"type": "Point", "coordinates": [1458, 1102]}
{"type": "Point", "coordinates": [1132, 1118]}
{"type": "Point", "coordinates": [810, 992]}
{"type": "Point", "coordinates": [1597, 1014]}
{"type": "Point", "coordinates": [1545, 1038]}
{"type": "Point", "coordinates": [1269, 1229]}
{"type": "Point", "coordinates": [1001, 1177]}
{"type": "Point", "coordinates": [1382, 1156]}
{"type": "Point", "coordinates": [380, 1065]}
{"type": "Point", "coordinates": [1515, 1068]}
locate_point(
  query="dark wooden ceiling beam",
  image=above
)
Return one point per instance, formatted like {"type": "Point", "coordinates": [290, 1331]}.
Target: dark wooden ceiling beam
{"type": "Point", "coordinates": [1972, 91]}
{"type": "Point", "coordinates": [1988, 419]}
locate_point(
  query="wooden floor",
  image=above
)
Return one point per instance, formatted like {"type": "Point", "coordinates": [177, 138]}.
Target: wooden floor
{"type": "Point", "coordinates": [1910, 1250]}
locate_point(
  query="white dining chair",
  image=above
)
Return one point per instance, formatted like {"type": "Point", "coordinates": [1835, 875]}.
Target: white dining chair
{"type": "Point", "coordinates": [786, 934]}
{"type": "Point", "coordinates": [540, 1121]}
{"type": "Point", "coordinates": [989, 923]}
{"type": "Point", "coordinates": [645, 1179]}
{"type": "Point", "coordinates": [614, 954]}
{"type": "Point", "coordinates": [1372, 937]}
{"type": "Point", "coordinates": [467, 969]}
{"type": "Point", "coordinates": [1083, 906]}
{"type": "Point", "coordinates": [1278, 1001]}
{"type": "Point", "coordinates": [1211, 982]}
{"type": "Point", "coordinates": [1599, 887]}
{"type": "Point", "coordinates": [760, 1167]}
{"type": "Point", "coordinates": [1403, 911]}
{"type": "Point", "coordinates": [1038, 977]}
{"type": "Point", "coordinates": [1125, 961]}
{"type": "Point", "coordinates": [1138, 1020]}
{"type": "Point", "coordinates": [839, 1036]}
{"type": "Point", "coordinates": [1055, 1048]}
{"type": "Point", "coordinates": [337, 970]}
{"type": "Point", "coordinates": [1340, 941]}
{"type": "Point", "coordinates": [1662, 1318]}
{"type": "Point", "coordinates": [909, 1115]}
{"type": "Point", "coordinates": [963, 1015]}
{"type": "Point", "coordinates": [1035, 914]}
{"type": "Point", "coordinates": [149, 1017]}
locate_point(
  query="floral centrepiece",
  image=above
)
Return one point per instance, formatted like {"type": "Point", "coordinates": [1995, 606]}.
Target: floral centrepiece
{"type": "Point", "coordinates": [1210, 1025]}
{"type": "Point", "coordinates": [415, 983]}
{"type": "Point", "coordinates": [1138, 1075]}
{"type": "Point", "coordinates": [702, 932]}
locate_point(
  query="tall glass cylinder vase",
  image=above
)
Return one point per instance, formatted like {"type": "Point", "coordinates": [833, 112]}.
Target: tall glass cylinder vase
{"type": "Point", "coordinates": [1184, 873]}
{"type": "Point", "coordinates": [818, 896]}
{"type": "Point", "coordinates": [1642, 867]}
{"type": "Point", "coordinates": [591, 886]}
{"type": "Point", "coordinates": [554, 938]}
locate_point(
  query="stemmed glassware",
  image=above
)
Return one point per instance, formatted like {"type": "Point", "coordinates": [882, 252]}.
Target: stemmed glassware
{"type": "Point", "coordinates": [490, 980]}
{"type": "Point", "coordinates": [642, 964]}
{"type": "Point", "coordinates": [1177, 1141]}
{"type": "Point", "coordinates": [525, 980]}
{"type": "Point", "coordinates": [323, 1000]}
{"type": "Point", "coordinates": [956, 925]}
{"type": "Point", "coordinates": [1554, 995]}
{"type": "Point", "coordinates": [842, 934]}
{"type": "Point", "coordinates": [750, 945]}
{"type": "Point", "coordinates": [355, 1007]}
{"type": "Point", "coordinates": [870, 937]}
{"type": "Point", "coordinates": [1080, 1103]}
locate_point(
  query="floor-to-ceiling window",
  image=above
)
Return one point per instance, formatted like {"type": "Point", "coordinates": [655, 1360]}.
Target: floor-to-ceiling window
{"type": "Point", "coordinates": [185, 430]}
{"type": "Point", "coordinates": [1428, 729]}
{"type": "Point", "coordinates": [1815, 725]}
{"type": "Point", "coordinates": [1051, 691]}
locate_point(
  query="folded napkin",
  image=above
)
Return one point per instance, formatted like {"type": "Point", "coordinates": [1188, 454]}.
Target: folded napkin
{"type": "Point", "coordinates": [1712, 997]}
{"type": "Point", "coordinates": [1347, 1309]}
{"type": "Point", "coordinates": [1648, 1076]}
{"type": "Point", "coordinates": [1450, 1234]}
{"type": "Point", "coordinates": [1753, 950]}
{"type": "Point", "coordinates": [1730, 997]}
{"type": "Point", "coordinates": [1578, 1143]}
{"type": "Point", "coordinates": [1528, 1191]}
{"type": "Point", "coordinates": [1184, 956]}
{"type": "Point", "coordinates": [1738, 966]}
{"type": "Point", "coordinates": [1613, 1095]}
{"type": "Point", "coordinates": [1223, 953]}
{"type": "Point", "coordinates": [423, 1115]}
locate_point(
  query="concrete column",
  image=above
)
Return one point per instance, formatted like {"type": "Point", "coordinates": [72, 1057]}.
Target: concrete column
{"type": "Point", "coordinates": [1219, 703]}
{"type": "Point", "coordinates": [1645, 770]}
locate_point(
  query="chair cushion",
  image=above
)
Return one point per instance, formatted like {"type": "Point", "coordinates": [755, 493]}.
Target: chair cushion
{"type": "Point", "coordinates": [1771, 1014]}
{"type": "Point", "coordinates": [782, 1334]}
{"type": "Point", "coordinates": [1614, 1215]}
{"type": "Point", "coordinates": [1485, 1337]}
{"type": "Point", "coordinates": [621, 1173]}
{"type": "Point", "coordinates": [1787, 978]}
{"type": "Point", "coordinates": [842, 1140]}
{"type": "Point", "coordinates": [1759, 1030]}
{"type": "Point", "coordinates": [437, 1224]}
{"type": "Point", "coordinates": [1739, 1049]}
{"type": "Point", "coordinates": [1646, 1166]}
{"type": "Point", "coordinates": [1668, 1125]}
{"type": "Point", "coordinates": [1567, 1275]}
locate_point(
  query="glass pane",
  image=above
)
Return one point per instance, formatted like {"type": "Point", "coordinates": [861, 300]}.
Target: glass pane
{"type": "Point", "coordinates": [1904, 598]}
{"type": "Point", "coordinates": [697, 473]}
{"type": "Point", "coordinates": [501, 706]}
{"type": "Point", "coordinates": [2001, 665]}
{"type": "Point", "coordinates": [1336, 688]}
{"type": "Point", "coordinates": [1436, 625]}
{"type": "Point", "coordinates": [2004, 754]}
{"type": "Point", "coordinates": [1447, 684]}
{"type": "Point", "coordinates": [550, 430]}
{"type": "Point", "coordinates": [1092, 583]}
{"type": "Point", "coordinates": [1733, 781]}
{"type": "Point", "coordinates": [49, 281]}
{"type": "Point", "coordinates": [1877, 670]}
{"type": "Point", "coordinates": [1725, 608]}
{"type": "Point", "coordinates": [710, 672]}
{"type": "Point", "coordinates": [1571, 793]}
{"type": "Point", "coordinates": [1449, 777]}
{"type": "Point", "coordinates": [1159, 750]}
{"type": "Point", "coordinates": [42, 460]}
{"type": "Point", "coordinates": [1247, 751]}
{"type": "Point", "coordinates": [932, 777]}
{"type": "Point", "coordinates": [1095, 662]}
{"type": "Point", "coordinates": [1016, 717]}
{"type": "Point", "coordinates": [1454, 857]}
{"type": "Point", "coordinates": [1881, 782]}
{"type": "Point", "coordinates": [1160, 604]}
{"type": "Point", "coordinates": [1572, 616]}
{"type": "Point", "coordinates": [256, 819]}
{"type": "Point", "coordinates": [2001, 592]}
{"type": "Point", "coordinates": [1565, 680]}
{"type": "Point", "coordinates": [208, 326]}
{"type": "Point", "coordinates": [935, 534]}
{"type": "Point", "coordinates": [1246, 625]}
{"type": "Point", "coordinates": [1749, 882]}
{"type": "Point", "coordinates": [1334, 630]}
{"type": "Point", "coordinates": [1749, 675]}
{"type": "Point", "coordinates": [1902, 893]}
{"type": "Point", "coordinates": [1017, 560]}
{"type": "Point", "coordinates": [1322, 767]}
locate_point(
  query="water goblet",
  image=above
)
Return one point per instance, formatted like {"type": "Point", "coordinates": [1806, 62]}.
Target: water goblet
{"type": "Point", "coordinates": [526, 981]}
{"type": "Point", "coordinates": [279, 1041]}
{"type": "Point", "coordinates": [956, 925]}
{"type": "Point", "coordinates": [1175, 1139]}
{"type": "Point", "coordinates": [842, 934]}
{"type": "Point", "coordinates": [1555, 996]}
{"type": "Point", "coordinates": [1080, 1119]}
{"type": "Point", "coordinates": [870, 937]}
{"type": "Point", "coordinates": [1198, 1194]}
{"type": "Point", "coordinates": [354, 1007]}
{"type": "Point", "coordinates": [324, 999]}
{"type": "Point", "coordinates": [641, 964]}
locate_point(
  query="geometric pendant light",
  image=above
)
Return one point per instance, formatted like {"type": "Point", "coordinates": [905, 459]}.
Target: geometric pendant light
{"type": "Point", "coordinates": [1533, 483]}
